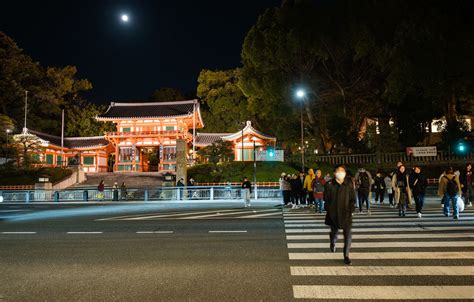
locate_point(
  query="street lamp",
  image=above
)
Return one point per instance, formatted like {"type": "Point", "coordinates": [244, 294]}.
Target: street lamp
{"type": "Point", "coordinates": [6, 152]}
{"type": "Point", "coordinates": [301, 94]}
{"type": "Point", "coordinates": [255, 167]}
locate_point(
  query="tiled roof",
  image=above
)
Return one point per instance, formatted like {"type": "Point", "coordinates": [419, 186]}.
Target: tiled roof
{"type": "Point", "coordinates": [149, 110]}
{"type": "Point", "coordinates": [206, 139]}
{"type": "Point", "coordinates": [72, 142]}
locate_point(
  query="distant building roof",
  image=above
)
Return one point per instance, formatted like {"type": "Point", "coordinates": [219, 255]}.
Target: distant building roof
{"type": "Point", "coordinates": [206, 139]}
{"type": "Point", "coordinates": [72, 142]}
{"type": "Point", "coordinates": [150, 110]}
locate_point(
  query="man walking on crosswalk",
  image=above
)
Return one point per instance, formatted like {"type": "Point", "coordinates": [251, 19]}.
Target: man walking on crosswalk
{"type": "Point", "coordinates": [339, 195]}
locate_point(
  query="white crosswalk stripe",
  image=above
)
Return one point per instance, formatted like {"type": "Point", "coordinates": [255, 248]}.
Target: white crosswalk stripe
{"type": "Point", "coordinates": [378, 240]}
{"type": "Point", "coordinates": [249, 213]}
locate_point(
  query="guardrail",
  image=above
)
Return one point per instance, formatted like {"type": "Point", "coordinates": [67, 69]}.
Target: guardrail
{"type": "Point", "coordinates": [146, 195]}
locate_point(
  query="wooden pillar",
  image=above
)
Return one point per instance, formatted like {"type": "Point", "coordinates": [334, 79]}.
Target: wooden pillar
{"type": "Point", "coordinates": [115, 168]}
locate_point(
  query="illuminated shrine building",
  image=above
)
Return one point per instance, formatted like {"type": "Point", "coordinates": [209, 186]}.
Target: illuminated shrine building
{"type": "Point", "coordinates": [145, 139]}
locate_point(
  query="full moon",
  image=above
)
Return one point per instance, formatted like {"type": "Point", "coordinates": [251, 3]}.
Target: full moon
{"type": "Point", "coordinates": [124, 18]}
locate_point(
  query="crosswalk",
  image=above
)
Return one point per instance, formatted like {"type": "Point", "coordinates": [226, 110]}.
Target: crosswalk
{"type": "Point", "coordinates": [242, 213]}
{"type": "Point", "coordinates": [394, 258]}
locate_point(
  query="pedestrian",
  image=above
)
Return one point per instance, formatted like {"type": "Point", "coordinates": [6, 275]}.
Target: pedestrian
{"type": "Point", "coordinates": [228, 189]}
{"type": "Point", "coordinates": [388, 188]}
{"type": "Point", "coordinates": [363, 183]}
{"type": "Point", "coordinates": [318, 191]}
{"type": "Point", "coordinates": [280, 183]}
{"type": "Point", "coordinates": [403, 188]}
{"type": "Point", "coordinates": [418, 184]}
{"type": "Point", "coordinates": [439, 181]}
{"type": "Point", "coordinates": [295, 190]}
{"type": "Point", "coordinates": [467, 181]}
{"type": "Point", "coordinates": [396, 191]}
{"type": "Point", "coordinates": [327, 177]}
{"type": "Point", "coordinates": [301, 189]}
{"type": "Point", "coordinates": [246, 191]}
{"type": "Point", "coordinates": [308, 189]}
{"type": "Point", "coordinates": [180, 185]}
{"type": "Point", "coordinates": [339, 197]}
{"type": "Point", "coordinates": [123, 191]}
{"type": "Point", "coordinates": [192, 193]}
{"type": "Point", "coordinates": [101, 189]}
{"type": "Point", "coordinates": [379, 187]}
{"type": "Point", "coordinates": [115, 191]}
{"type": "Point", "coordinates": [449, 189]}
{"type": "Point", "coordinates": [286, 187]}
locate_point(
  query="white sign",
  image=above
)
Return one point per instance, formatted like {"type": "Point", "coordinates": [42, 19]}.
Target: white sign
{"type": "Point", "coordinates": [270, 155]}
{"type": "Point", "coordinates": [422, 151]}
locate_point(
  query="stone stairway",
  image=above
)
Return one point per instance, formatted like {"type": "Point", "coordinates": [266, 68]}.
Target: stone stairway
{"type": "Point", "coordinates": [132, 180]}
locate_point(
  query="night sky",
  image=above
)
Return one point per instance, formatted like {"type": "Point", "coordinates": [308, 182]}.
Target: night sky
{"type": "Point", "coordinates": [165, 43]}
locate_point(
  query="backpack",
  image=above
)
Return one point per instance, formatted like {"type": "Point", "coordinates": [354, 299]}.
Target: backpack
{"type": "Point", "coordinates": [364, 182]}
{"type": "Point", "coordinates": [451, 186]}
{"type": "Point", "coordinates": [317, 186]}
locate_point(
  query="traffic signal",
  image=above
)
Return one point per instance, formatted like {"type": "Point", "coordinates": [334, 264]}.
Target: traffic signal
{"type": "Point", "coordinates": [462, 148]}
{"type": "Point", "coordinates": [271, 152]}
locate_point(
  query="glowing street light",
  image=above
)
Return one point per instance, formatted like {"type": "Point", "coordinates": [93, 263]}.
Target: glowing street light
{"type": "Point", "coordinates": [124, 17]}
{"type": "Point", "coordinates": [301, 94]}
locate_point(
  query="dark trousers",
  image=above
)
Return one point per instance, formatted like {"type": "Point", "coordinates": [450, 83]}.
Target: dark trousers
{"type": "Point", "coordinates": [419, 201]}
{"type": "Point", "coordinates": [468, 194]}
{"type": "Point", "coordinates": [286, 196]}
{"type": "Point", "coordinates": [310, 197]}
{"type": "Point", "coordinates": [363, 195]}
{"type": "Point", "coordinates": [379, 193]}
{"type": "Point", "coordinates": [347, 238]}
{"type": "Point", "coordinates": [390, 198]}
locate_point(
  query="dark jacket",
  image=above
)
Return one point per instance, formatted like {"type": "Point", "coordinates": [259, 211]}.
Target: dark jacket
{"type": "Point", "coordinates": [379, 183]}
{"type": "Point", "coordinates": [296, 185]}
{"type": "Point", "coordinates": [466, 179]}
{"type": "Point", "coordinates": [418, 183]}
{"type": "Point", "coordinates": [340, 203]}
{"type": "Point", "coordinates": [247, 185]}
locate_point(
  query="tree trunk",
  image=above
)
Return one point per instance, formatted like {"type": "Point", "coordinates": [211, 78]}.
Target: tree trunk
{"type": "Point", "coordinates": [451, 112]}
{"type": "Point", "coordinates": [317, 132]}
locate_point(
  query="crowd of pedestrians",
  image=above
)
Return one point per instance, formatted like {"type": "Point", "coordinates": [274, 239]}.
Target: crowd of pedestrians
{"type": "Point", "coordinates": [404, 188]}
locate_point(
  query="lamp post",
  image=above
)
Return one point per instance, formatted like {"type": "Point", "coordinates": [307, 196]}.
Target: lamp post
{"type": "Point", "coordinates": [6, 151]}
{"type": "Point", "coordinates": [255, 168]}
{"type": "Point", "coordinates": [62, 135]}
{"type": "Point", "coordinates": [301, 94]}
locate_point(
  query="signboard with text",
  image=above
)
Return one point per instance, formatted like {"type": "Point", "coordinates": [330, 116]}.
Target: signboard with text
{"type": "Point", "coordinates": [422, 151]}
{"type": "Point", "coordinates": [270, 155]}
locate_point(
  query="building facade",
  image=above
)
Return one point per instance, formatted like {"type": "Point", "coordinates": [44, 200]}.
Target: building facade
{"type": "Point", "coordinates": [145, 139]}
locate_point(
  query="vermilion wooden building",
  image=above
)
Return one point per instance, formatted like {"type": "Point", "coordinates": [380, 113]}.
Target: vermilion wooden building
{"type": "Point", "coordinates": [145, 139]}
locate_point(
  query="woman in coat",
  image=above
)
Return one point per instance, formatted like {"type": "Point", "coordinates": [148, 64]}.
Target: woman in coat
{"type": "Point", "coordinates": [307, 186]}
{"type": "Point", "coordinates": [339, 197]}
{"type": "Point", "coordinates": [403, 187]}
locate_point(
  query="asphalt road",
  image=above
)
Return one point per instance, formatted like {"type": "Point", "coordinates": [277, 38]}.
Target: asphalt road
{"type": "Point", "coordinates": [204, 253]}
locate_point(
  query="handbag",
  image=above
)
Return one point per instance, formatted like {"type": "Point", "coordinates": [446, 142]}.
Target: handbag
{"type": "Point", "coordinates": [460, 203]}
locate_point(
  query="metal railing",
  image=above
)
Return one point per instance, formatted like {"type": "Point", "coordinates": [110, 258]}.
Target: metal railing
{"type": "Point", "coordinates": [198, 193]}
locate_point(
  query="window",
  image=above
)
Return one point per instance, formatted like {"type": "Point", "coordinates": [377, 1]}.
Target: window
{"type": "Point", "coordinates": [169, 128]}
{"type": "Point", "coordinates": [49, 159]}
{"type": "Point", "coordinates": [36, 157]}
{"type": "Point", "coordinates": [88, 160]}
{"type": "Point", "coordinates": [126, 129]}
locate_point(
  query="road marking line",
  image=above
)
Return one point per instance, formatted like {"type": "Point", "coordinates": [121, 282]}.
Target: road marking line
{"type": "Point", "coordinates": [227, 231]}
{"type": "Point", "coordinates": [409, 244]}
{"type": "Point", "coordinates": [218, 214]}
{"type": "Point", "coordinates": [394, 229]}
{"type": "Point", "coordinates": [383, 255]}
{"type": "Point", "coordinates": [25, 233]}
{"type": "Point", "coordinates": [386, 236]}
{"type": "Point", "coordinates": [341, 292]}
{"type": "Point", "coordinates": [149, 216]}
{"type": "Point", "coordinates": [382, 270]}
{"type": "Point", "coordinates": [260, 215]}
{"type": "Point", "coordinates": [155, 232]}
{"type": "Point", "coordinates": [76, 233]}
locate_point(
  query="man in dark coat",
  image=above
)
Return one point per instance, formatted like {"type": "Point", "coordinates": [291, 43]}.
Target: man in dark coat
{"type": "Point", "coordinates": [339, 197]}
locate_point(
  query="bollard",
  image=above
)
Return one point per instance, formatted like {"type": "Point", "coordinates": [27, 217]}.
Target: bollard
{"type": "Point", "coordinates": [85, 195]}
{"type": "Point", "coordinates": [146, 194]}
{"type": "Point", "coordinates": [211, 194]}
{"type": "Point", "coordinates": [56, 196]}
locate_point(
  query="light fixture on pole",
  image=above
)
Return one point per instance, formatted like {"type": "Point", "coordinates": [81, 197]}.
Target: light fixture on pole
{"type": "Point", "coordinates": [26, 110]}
{"type": "Point", "coordinates": [301, 95]}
